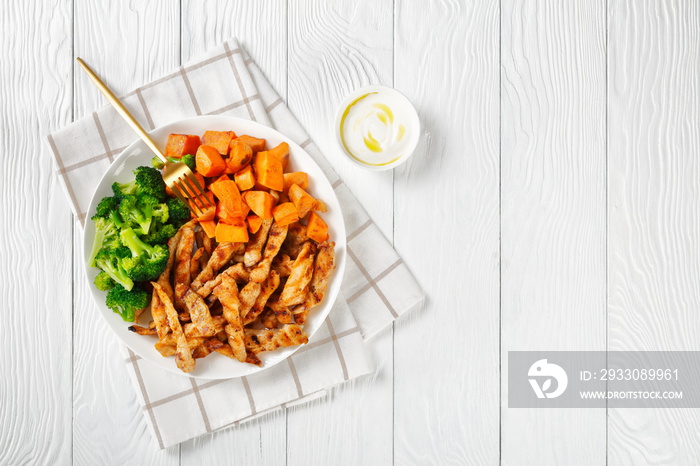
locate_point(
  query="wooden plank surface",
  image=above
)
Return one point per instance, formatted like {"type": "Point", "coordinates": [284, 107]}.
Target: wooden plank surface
{"type": "Point", "coordinates": [552, 212]}
{"type": "Point", "coordinates": [446, 399]}
{"type": "Point", "coordinates": [127, 44]}
{"type": "Point", "coordinates": [334, 48]}
{"type": "Point", "coordinates": [36, 231]}
{"type": "Point", "coordinates": [654, 210]}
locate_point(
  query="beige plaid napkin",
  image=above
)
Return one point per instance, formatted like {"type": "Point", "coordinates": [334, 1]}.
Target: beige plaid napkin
{"type": "Point", "coordinates": [376, 289]}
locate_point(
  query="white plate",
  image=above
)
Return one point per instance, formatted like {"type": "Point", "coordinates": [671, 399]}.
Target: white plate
{"type": "Point", "coordinates": [216, 366]}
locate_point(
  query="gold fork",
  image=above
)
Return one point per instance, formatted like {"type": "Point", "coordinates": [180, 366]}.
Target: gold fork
{"type": "Point", "coordinates": [176, 175]}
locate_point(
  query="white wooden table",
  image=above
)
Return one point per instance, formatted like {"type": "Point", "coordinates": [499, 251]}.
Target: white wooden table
{"type": "Point", "coordinates": [554, 203]}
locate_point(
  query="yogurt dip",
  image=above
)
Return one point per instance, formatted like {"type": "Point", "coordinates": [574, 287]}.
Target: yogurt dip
{"type": "Point", "coordinates": [377, 127]}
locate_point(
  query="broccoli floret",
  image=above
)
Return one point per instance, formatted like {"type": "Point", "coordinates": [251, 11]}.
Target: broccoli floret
{"type": "Point", "coordinates": [178, 211]}
{"type": "Point", "coordinates": [160, 234]}
{"type": "Point", "coordinates": [106, 235]}
{"type": "Point", "coordinates": [122, 189]}
{"type": "Point", "coordinates": [150, 181]}
{"type": "Point", "coordinates": [157, 163]}
{"type": "Point", "coordinates": [110, 260]}
{"type": "Point", "coordinates": [126, 302]}
{"type": "Point", "coordinates": [104, 282]}
{"type": "Point", "coordinates": [187, 159]}
{"type": "Point", "coordinates": [147, 262]}
{"type": "Point", "coordinates": [139, 210]}
{"type": "Point", "coordinates": [105, 208]}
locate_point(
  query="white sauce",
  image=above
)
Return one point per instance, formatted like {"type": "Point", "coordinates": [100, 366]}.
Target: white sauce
{"type": "Point", "coordinates": [373, 128]}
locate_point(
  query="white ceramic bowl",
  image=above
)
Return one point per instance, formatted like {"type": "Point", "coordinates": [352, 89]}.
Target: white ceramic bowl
{"type": "Point", "coordinates": [215, 366]}
{"type": "Point", "coordinates": [408, 111]}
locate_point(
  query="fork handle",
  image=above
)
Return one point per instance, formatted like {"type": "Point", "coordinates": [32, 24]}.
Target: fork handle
{"type": "Point", "coordinates": [119, 107]}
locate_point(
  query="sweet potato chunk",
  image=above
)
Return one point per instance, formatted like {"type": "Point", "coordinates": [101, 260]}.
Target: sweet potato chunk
{"type": "Point", "coordinates": [285, 214]}
{"type": "Point", "coordinates": [255, 143]}
{"type": "Point", "coordinates": [316, 229]}
{"type": "Point", "coordinates": [209, 227]}
{"type": "Point", "coordinates": [281, 153]}
{"type": "Point", "coordinates": [245, 178]}
{"type": "Point", "coordinates": [298, 178]}
{"type": "Point", "coordinates": [219, 140]}
{"type": "Point", "coordinates": [209, 161]}
{"type": "Point", "coordinates": [260, 202]}
{"type": "Point", "coordinates": [268, 171]}
{"type": "Point", "coordinates": [239, 157]}
{"type": "Point", "coordinates": [303, 201]}
{"type": "Point", "coordinates": [181, 144]}
{"type": "Point", "coordinates": [254, 222]}
{"type": "Point", "coordinates": [229, 198]}
{"type": "Point", "coordinates": [234, 233]}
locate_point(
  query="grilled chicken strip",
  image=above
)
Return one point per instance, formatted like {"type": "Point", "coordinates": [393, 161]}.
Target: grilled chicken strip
{"type": "Point", "coordinates": [253, 252]}
{"type": "Point", "coordinates": [219, 257]}
{"type": "Point", "coordinates": [257, 341]}
{"type": "Point", "coordinates": [183, 257]}
{"type": "Point", "coordinates": [274, 242]}
{"type": "Point", "coordinates": [199, 313]}
{"type": "Point", "coordinates": [323, 266]}
{"type": "Point", "coordinates": [183, 357]}
{"type": "Point", "coordinates": [296, 288]}
{"type": "Point", "coordinates": [227, 292]}
{"type": "Point", "coordinates": [268, 287]}
{"type": "Point", "coordinates": [237, 272]}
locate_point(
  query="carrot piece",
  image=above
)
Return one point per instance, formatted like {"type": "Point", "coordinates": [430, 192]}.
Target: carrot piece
{"type": "Point", "coordinates": [255, 143]}
{"type": "Point", "coordinates": [241, 154]}
{"type": "Point", "coordinates": [204, 213]}
{"type": "Point", "coordinates": [209, 161]}
{"type": "Point", "coordinates": [285, 214]}
{"type": "Point", "coordinates": [181, 144]}
{"type": "Point", "coordinates": [233, 233]}
{"type": "Point", "coordinates": [268, 171]}
{"type": "Point", "coordinates": [230, 198]}
{"type": "Point", "coordinates": [209, 227]}
{"type": "Point", "coordinates": [219, 140]}
{"type": "Point", "coordinates": [303, 201]}
{"type": "Point", "coordinates": [300, 178]}
{"type": "Point", "coordinates": [316, 228]}
{"type": "Point", "coordinates": [281, 152]}
{"type": "Point", "coordinates": [245, 178]}
{"type": "Point", "coordinates": [254, 223]}
{"type": "Point", "coordinates": [260, 202]}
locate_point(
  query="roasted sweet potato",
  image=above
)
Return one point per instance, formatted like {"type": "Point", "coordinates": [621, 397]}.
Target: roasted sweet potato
{"type": "Point", "coordinates": [268, 171]}
{"type": "Point", "coordinates": [209, 227]}
{"type": "Point", "coordinates": [299, 178]}
{"type": "Point", "coordinates": [229, 198]}
{"type": "Point", "coordinates": [285, 214]}
{"type": "Point", "coordinates": [316, 229]}
{"type": "Point", "coordinates": [209, 161]}
{"type": "Point", "coordinates": [203, 212]}
{"type": "Point", "coordinates": [245, 178]}
{"type": "Point", "coordinates": [260, 202]}
{"type": "Point", "coordinates": [239, 156]}
{"type": "Point", "coordinates": [181, 144]}
{"type": "Point", "coordinates": [219, 140]}
{"type": "Point", "coordinates": [303, 201]}
{"type": "Point", "coordinates": [234, 233]}
{"type": "Point", "coordinates": [281, 153]}
{"type": "Point", "coordinates": [254, 223]}
{"type": "Point", "coordinates": [255, 143]}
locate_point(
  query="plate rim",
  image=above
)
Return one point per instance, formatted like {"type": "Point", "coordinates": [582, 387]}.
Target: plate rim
{"type": "Point", "coordinates": [229, 121]}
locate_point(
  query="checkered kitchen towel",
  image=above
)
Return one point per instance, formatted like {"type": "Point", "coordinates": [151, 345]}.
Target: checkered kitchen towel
{"type": "Point", "coordinates": [376, 289]}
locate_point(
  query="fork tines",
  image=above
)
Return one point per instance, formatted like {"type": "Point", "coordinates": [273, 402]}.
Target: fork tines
{"type": "Point", "coordinates": [188, 184]}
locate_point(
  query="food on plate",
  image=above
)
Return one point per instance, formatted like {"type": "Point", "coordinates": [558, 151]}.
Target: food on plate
{"type": "Point", "coordinates": [132, 228]}
{"type": "Point", "coordinates": [239, 277]}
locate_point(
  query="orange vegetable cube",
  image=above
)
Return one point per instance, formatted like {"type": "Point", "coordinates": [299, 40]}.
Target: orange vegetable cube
{"type": "Point", "coordinates": [201, 212]}
{"type": "Point", "coordinates": [209, 162]}
{"type": "Point", "coordinates": [316, 228]}
{"type": "Point", "coordinates": [245, 178]}
{"type": "Point", "coordinates": [236, 232]}
{"type": "Point", "coordinates": [186, 192]}
{"type": "Point", "coordinates": [209, 227]}
{"type": "Point", "coordinates": [302, 200]}
{"type": "Point", "coordinates": [181, 144]}
{"type": "Point", "coordinates": [255, 143]}
{"type": "Point", "coordinates": [229, 197]}
{"type": "Point", "coordinates": [281, 152]}
{"type": "Point", "coordinates": [285, 214]}
{"type": "Point", "coordinates": [240, 155]}
{"type": "Point", "coordinates": [300, 178]}
{"type": "Point", "coordinates": [260, 202]}
{"type": "Point", "coordinates": [254, 223]}
{"type": "Point", "coordinates": [219, 140]}
{"type": "Point", "coordinates": [268, 171]}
